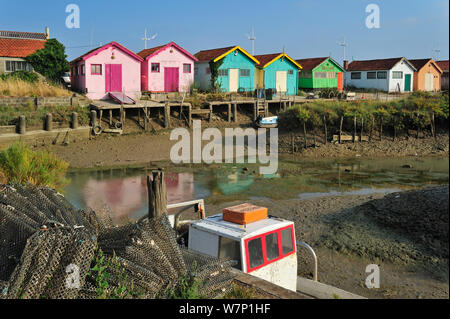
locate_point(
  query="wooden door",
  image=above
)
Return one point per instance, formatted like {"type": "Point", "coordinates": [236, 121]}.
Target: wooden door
{"type": "Point", "coordinates": [171, 79]}
{"type": "Point", "coordinates": [113, 78]}
{"type": "Point", "coordinates": [233, 80]}
{"type": "Point", "coordinates": [429, 82]}
{"type": "Point", "coordinates": [340, 81]}
{"type": "Point", "coordinates": [281, 81]}
{"type": "Point", "coordinates": [407, 82]}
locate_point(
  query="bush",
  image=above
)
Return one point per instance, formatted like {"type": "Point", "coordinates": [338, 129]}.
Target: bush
{"type": "Point", "coordinates": [25, 76]}
{"type": "Point", "coordinates": [19, 164]}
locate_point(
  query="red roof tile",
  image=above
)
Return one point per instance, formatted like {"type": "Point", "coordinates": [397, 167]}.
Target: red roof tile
{"type": "Point", "coordinates": [265, 58]}
{"type": "Point", "coordinates": [19, 48]}
{"type": "Point", "coordinates": [153, 51]}
{"type": "Point", "coordinates": [208, 55]}
{"type": "Point", "coordinates": [443, 65]}
{"type": "Point", "coordinates": [145, 53]}
{"type": "Point", "coordinates": [309, 64]}
{"type": "Point", "coordinates": [368, 65]}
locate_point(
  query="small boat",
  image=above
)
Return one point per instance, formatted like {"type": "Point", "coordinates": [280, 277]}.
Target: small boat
{"type": "Point", "coordinates": [267, 122]}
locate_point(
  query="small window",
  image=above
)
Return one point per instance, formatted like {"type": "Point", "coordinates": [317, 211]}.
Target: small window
{"type": "Point", "coordinates": [381, 75]}
{"type": "Point", "coordinates": [331, 75]}
{"type": "Point", "coordinates": [255, 253]}
{"type": "Point", "coordinates": [186, 68]}
{"type": "Point", "coordinates": [96, 69]}
{"type": "Point", "coordinates": [286, 241]}
{"type": "Point", "coordinates": [272, 251]}
{"type": "Point", "coordinates": [290, 72]}
{"type": "Point", "coordinates": [230, 250]}
{"type": "Point", "coordinates": [397, 74]}
{"type": "Point", "coordinates": [320, 75]}
{"type": "Point", "coordinates": [245, 72]}
{"type": "Point", "coordinates": [155, 67]}
{"type": "Point", "coordinates": [306, 74]}
{"type": "Point", "coordinates": [371, 75]}
{"type": "Point", "coordinates": [208, 70]}
{"type": "Point", "coordinates": [8, 66]}
{"type": "Point", "coordinates": [356, 75]}
{"type": "Point", "coordinates": [223, 72]}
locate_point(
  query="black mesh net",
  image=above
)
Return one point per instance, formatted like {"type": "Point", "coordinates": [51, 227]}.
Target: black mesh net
{"type": "Point", "coordinates": [49, 249]}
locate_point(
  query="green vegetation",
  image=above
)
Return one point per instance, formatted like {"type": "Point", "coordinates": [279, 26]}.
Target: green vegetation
{"type": "Point", "coordinates": [35, 115]}
{"type": "Point", "coordinates": [241, 292]}
{"type": "Point", "coordinates": [19, 164]}
{"type": "Point", "coordinates": [30, 77]}
{"type": "Point", "coordinates": [419, 111]}
{"type": "Point", "coordinates": [51, 61]}
{"type": "Point", "coordinates": [214, 67]}
{"type": "Point", "coordinates": [110, 279]}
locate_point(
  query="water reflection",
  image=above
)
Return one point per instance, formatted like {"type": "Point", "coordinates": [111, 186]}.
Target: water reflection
{"type": "Point", "coordinates": [124, 191]}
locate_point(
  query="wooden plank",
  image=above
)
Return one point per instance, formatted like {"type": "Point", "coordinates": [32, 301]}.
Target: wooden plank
{"type": "Point", "coordinates": [349, 138]}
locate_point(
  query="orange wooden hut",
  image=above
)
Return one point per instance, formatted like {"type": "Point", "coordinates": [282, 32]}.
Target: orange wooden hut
{"type": "Point", "coordinates": [428, 75]}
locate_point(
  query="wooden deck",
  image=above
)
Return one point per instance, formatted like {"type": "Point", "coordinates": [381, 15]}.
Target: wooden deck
{"type": "Point", "coordinates": [256, 106]}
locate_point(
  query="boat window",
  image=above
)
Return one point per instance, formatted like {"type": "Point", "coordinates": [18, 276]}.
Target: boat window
{"type": "Point", "coordinates": [286, 240]}
{"type": "Point", "coordinates": [272, 251]}
{"type": "Point", "coordinates": [255, 252]}
{"type": "Point", "coordinates": [230, 249]}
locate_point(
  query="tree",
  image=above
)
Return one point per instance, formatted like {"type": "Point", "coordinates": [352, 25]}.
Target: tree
{"type": "Point", "coordinates": [50, 61]}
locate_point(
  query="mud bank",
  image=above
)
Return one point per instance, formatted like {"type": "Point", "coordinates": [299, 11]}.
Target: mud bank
{"type": "Point", "coordinates": [143, 148]}
{"type": "Point", "coordinates": [405, 233]}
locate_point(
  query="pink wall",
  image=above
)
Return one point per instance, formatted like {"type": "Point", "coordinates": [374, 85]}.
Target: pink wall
{"type": "Point", "coordinates": [95, 84]}
{"type": "Point", "coordinates": [168, 59]}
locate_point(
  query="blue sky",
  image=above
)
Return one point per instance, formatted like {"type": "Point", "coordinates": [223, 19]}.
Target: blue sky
{"type": "Point", "coordinates": [306, 28]}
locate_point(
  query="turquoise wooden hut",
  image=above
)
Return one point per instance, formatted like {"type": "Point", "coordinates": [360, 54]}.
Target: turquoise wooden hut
{"type": "Point", "coordinates": [233, 67]}
{"type": "Point", "coordinates": [278, 72]}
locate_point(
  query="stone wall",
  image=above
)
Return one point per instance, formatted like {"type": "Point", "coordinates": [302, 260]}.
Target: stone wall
{"type": "Point", "coordinates": [42, 101]}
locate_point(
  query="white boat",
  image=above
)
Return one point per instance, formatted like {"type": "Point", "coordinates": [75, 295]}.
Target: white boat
{"type": "Point", "coordinates": [267, 122]}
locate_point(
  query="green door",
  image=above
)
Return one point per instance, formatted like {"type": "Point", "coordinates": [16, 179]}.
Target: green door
{"type": "Point", "coordinates": [407, 82]}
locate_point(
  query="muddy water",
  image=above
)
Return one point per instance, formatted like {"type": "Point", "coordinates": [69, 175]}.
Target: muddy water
{"type": "Point", "coordinates": [122, 192]}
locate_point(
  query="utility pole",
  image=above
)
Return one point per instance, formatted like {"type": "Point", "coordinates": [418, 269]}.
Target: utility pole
{"type": "Point", "coordinates": [344, 45]}
{"type": "Point", "coordinates": [145, 38]}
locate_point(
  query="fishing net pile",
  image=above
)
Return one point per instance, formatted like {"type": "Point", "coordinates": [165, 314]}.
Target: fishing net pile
{"type": "Point", "coordinates": [49, 249]}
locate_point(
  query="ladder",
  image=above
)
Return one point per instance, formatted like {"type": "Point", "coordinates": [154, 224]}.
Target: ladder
{"type": "Point", "coordinates": [261, 105]}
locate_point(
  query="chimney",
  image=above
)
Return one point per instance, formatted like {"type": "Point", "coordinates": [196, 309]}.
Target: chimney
{"type": "Point", "coordinates": [47, 33]}
{"type": "Point", "coordinates": [345, 65]}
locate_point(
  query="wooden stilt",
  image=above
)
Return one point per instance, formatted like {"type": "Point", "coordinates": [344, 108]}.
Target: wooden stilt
{"type": "Point", "coordinates": [156, 191]}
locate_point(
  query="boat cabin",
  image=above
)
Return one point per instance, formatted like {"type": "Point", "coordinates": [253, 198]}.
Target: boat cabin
{"type": "Point", "coordinates": [263, 246]}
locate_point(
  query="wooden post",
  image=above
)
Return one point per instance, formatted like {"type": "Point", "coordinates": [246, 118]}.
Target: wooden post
{"type": "Point", "coordinates": [190, 116]}
{"type": "Point", "coordinates": [210, 113]}
{"type": "Point", "coordinates": [325, 127]}
{"type": "Point", "coordinates": [110, 117]}
{"type": "Point", "coordinates": [93, 118]}
{"type": "Point", "coordinates": [235, 112]}
{"type": "Point", "coordinates": [255, 111]}
{"type": "Point", "coordinates": [292, 143]}
{"type": "Point", "coordinates": [229, 112]}
{"type": "Point", "coordinates": [340, 129]}
{"type": "Point", "coordinates": [74, 122]}
{"type": "Point", "coordinates": [49, 122]}
{"type": "Point", "coordinates": [166, 116]}
{"type": "Point", "coordinates": [22, 124]}
{"type": "Point", "coordinates": [362, 129]}
{"type": "Point", "coordinates": [354, 129]}
{"type": "Point", "coordinates": [156, 190]}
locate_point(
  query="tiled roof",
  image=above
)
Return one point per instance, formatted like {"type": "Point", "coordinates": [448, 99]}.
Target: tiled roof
{"type": "Point", "coordinates": [368, 65]}
{"type": "Point", "coordinates": [145, 53]}
{"type": "Point", "coordinates": [265, 58]}
{"type": "Point", "coordinates": [208, 55]}
{"type": "Point", "coordinates": [443, 65]}
{"type": "Point", "coordinates": [19, 48]}
{"type": "Point", "coordinates": [153, 51]}
{"type": "Point", "coordinates": [419, 63]}
{"type": "Point", "coordinates": [104, 47]}
{"type": "Point", "coordinates": [310, 64]}
{"type": "Point", "coordinates": [22, 35]}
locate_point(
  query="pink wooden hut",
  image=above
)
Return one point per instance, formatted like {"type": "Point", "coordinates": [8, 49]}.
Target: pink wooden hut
{"type": "Point", "coordinates": [167, 68]}
{"type": "Point", "coordinates": [108, 69]}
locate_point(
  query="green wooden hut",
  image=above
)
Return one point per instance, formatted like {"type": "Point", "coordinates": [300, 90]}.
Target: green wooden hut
{"type": "Point", "coordinates": [320, 73]}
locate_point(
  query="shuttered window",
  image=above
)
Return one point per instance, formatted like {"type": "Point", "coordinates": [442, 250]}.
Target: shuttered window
{"type": "Point", "coordinates": [371, 75]}
{"type": "Point", "coordinates": [245, 72]}
{"type": "Point", "coordinates": [223, 72]}
{"type": "Point", "coordinates": [12, 66]}
{"type": "Point", "coordinates": [96, 69]}
{"type": "Point", "coordinates": [155, 67]}
{"type": "Point", "coordinates": [306, 74]}
{"type": "Point", "coordinates": [331, 75]}
{"type": "Point", "coordinates": [320, 75]}
{"type": "Point", "coordinates": [356, 75]}
{"type": "Point", "coordinates": [397, 74]}
{"type": "Point", "coordinates": [186, 68]}
{"type": "Point", "coordinates": [381, 75]}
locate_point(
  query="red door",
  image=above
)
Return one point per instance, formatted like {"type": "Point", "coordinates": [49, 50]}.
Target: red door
{"type": "Point", "coordinates": [113, 78]}
{"type": "Point", "coordinates": [171, 79]}
{"type": "Point", "coordinates": [340, 81]}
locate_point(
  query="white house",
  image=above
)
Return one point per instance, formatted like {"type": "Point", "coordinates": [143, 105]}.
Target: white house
{"type": "Point", "coordinates": [389, 75]}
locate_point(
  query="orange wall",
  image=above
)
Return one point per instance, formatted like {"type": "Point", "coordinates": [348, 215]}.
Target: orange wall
{"type": "Point", "coordinates": [419, 77]}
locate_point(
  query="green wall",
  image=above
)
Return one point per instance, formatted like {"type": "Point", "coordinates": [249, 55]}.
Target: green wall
{"type": "Point", "coordinates": [320, 83]}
